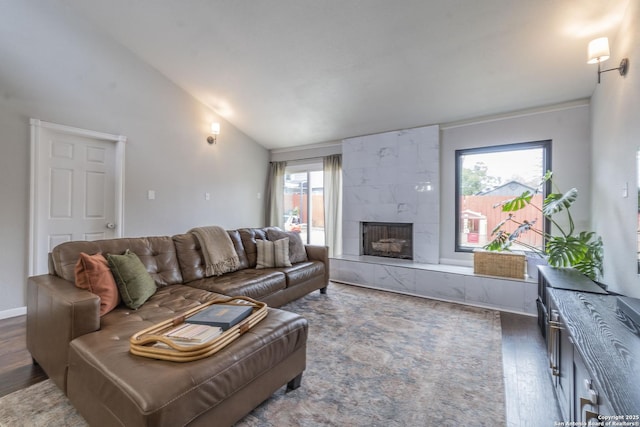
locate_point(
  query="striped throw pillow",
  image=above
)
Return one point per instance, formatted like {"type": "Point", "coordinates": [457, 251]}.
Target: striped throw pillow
{"type": "Point", "coordinates": [273, 254]}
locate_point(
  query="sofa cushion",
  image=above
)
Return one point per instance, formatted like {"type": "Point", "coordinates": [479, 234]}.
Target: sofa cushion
{"type": "Point", "coordinates": [92, 273]}
{"type": "Point", "coordinates": [273, 254]}
{"type": "Point", "coordinates": [303, 271]}
{"type": "Point", "coordinates": [191, 260]}
{"type": "Point", "coordinates": [158, 254]}
{"type": "Point", "coordinates": [166, 303]}
{"type": "Point", "coordinates": [250, 282]}
{"type": "Point", "coordinates": [297, 253]}
{"type": "Point", "coordinates": [134, 282]}
{"type": "Point", "coordinates": [237, 243]}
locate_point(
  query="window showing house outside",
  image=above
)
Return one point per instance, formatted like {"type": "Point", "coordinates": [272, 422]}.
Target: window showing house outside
{"type": "Point", "coordinates": [490, 175]}
{"type": "Point", "coordinates": [304, 202]}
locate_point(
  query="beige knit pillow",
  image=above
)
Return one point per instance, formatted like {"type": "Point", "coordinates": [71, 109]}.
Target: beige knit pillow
{"type": "Point", "coordinates": [272, 254]}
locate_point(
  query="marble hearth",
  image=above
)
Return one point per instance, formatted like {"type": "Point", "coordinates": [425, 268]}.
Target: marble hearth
{"type": "Point", "coordinates": [437, 281]}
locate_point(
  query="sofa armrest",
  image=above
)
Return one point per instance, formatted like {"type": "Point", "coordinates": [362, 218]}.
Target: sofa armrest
{"type": "Point", "coordinates": [319, 253]}
{"type": "Point", "coordinates": [57, 312]}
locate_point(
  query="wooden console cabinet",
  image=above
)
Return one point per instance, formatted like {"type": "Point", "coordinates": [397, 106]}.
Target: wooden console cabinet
{"type": "Point", "coordinates": [593, 349]}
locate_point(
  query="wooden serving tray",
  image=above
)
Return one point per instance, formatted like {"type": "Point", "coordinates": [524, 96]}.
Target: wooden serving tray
{"type": "Point", "coordinates": [142, 343]}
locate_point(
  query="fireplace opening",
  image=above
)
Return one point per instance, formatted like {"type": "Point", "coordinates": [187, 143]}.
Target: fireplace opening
{"type": "Point", "coordinates": [387, 239]}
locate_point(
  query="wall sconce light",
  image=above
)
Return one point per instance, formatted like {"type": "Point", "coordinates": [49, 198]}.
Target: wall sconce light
{"type": "Point", "coordinates": [599, 52]}
{"type": "Point", "coordinates": [215, 131]}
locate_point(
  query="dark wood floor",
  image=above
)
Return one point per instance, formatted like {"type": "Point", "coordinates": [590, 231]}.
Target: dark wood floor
{"type": "Point", "coordinates": [530, 399]}
{"type": "Point", "coordinates": [16, 368]}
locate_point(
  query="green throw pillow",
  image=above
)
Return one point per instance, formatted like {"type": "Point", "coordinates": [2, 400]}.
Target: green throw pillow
{"type": "Point", "coordinates": [134, 282]}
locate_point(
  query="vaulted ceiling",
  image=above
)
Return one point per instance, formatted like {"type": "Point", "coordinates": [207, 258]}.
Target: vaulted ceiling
{"type": "Point", "coordinates": [296, 72]}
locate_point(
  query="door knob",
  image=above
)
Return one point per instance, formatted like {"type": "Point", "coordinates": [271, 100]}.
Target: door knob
{"type": "Point", "coordinates": [111, 225]}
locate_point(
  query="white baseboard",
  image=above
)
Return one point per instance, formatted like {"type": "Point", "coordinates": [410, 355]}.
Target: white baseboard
{"type": "Point", "coordinates": [14, 312]}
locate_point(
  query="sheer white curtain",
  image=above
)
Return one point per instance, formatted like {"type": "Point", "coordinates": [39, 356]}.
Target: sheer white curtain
{"type": "Point", "coordinates": [333, 203]}
{"type": "Point", "coordinates": [274, 214]}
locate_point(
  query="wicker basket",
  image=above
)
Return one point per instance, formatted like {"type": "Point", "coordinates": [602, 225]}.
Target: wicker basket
{"type": "Point", "coordinates": [142, 343]}
{"type": "Point", "coordinates": [502, 264]}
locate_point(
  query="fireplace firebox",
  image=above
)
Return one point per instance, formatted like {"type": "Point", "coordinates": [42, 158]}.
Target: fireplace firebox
{"type": "Point", "coordinates": [387, 239]}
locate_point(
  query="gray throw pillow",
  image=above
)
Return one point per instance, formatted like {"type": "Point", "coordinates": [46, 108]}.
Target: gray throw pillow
{"type": "Point", "coordinates": [297, 252]}
{"type": "Point", "coordinates": [135, 284]}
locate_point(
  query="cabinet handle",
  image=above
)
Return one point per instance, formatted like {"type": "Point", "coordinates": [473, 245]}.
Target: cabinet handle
{"type": "Point", "coordinates": [552, 349]}
{"type": "Point", "coordinates": [588, 415]}
{"type": "Point", "coordinates": [592, 400]}
{"type": "Point", "coordinates": [556, 325]}
{"type": "Point", "coordinates": [550, 346]}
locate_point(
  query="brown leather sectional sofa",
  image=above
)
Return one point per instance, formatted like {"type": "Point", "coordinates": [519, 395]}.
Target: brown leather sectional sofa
{"type": "Point", "coordinates": [88, 357]}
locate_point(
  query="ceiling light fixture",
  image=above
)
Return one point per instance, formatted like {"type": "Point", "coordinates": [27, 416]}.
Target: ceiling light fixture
{"type": "Point", "coordinates": [215, 131]}
{"type": "Point", "coordinates": [599, 52]}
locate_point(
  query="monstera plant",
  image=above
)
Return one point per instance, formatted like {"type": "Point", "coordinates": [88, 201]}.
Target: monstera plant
{"type": "Point", "coordinates": [565, 247]}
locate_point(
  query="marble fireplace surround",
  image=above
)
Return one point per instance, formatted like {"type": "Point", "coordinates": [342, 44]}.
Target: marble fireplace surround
{"type": "Point", "coordinates": [380, 177]}
{"type": "Point", "coordinates": [383, 176]}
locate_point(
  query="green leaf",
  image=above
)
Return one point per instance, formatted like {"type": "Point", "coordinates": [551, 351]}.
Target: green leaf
{"type": "Point", "coordinates": [589, 268]}
{"type": "Point", "coordinates": [499, 243]}
{"type": "Point", "coordinates": [555, 202]}
{"type": "Point", "coordinates": [501, 223]}
{"type": "Point", "coordinates": [547, 176]}
{"type": "Point", "coordinates": [592, 263]}
{"type": "Point", "coordinates": [517, 203]}
{"type": "Point", "coordinates": [522, 228]}
{"type": "Point", "coordinates": [583, 252]}
{"type": "Point", "coordinates": [565, 251]}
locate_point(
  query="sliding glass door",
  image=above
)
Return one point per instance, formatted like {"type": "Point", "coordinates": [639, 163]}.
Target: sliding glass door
{"type": "Point", "coordinates": [304, 202]}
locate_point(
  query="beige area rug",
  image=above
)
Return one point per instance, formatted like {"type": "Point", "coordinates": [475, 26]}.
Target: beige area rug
{"type": "Point", "coordinates": [373, 359]}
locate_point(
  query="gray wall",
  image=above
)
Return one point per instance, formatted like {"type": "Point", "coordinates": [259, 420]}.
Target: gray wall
{"type": "Point", "coordinates": [615, 121]}
{"type": "Point", "coordinates": [58, 68]}
{"type": "Point", "coordinates": [568, 128]}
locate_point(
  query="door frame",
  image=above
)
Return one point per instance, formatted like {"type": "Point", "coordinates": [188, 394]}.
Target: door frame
{"type": "Point", "coordinates": [35, 210]}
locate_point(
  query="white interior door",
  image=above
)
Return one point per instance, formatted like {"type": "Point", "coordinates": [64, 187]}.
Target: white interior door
{"type": "Point", "coordinates": [76, 188]}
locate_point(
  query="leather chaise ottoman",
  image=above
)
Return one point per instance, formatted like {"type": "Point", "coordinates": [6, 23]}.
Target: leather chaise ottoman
{"type": "Point", "coordinates": [110, 386]}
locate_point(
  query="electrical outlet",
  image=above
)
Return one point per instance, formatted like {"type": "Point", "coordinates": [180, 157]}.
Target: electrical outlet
{"type": "Point", "coordinates": [151, 195]}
